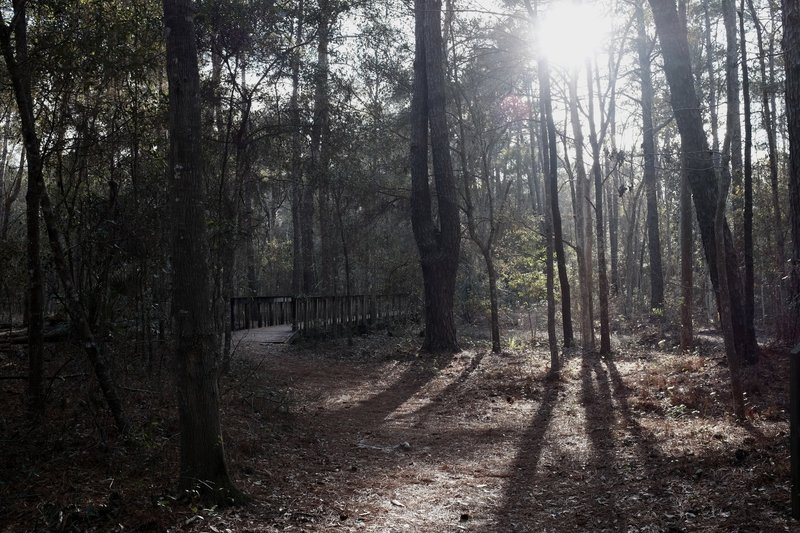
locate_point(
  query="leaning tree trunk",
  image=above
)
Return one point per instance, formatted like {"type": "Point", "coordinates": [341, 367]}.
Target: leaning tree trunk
{"type": "Point", "coordinates": [202, 456]}
{"type": "Point", "coordinates": [438, 246]}
{"type": "Point", "coordinates": [699, 162]}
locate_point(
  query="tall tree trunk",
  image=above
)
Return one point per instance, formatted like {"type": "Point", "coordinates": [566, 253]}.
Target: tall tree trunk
{"type": "Point", "coordinates": [555, 210]}
{"type": "Point", "coordinates": [648, 143]}
{"type": "Point", "coordinates": [16, 59]}
{"type": "Point", "coordinates": [602, 273]}
{"type": "Point", "coordinates": [438, 247]}
{"type": "Point", "coordinates": [687, 245]}
{"type": "Point", "coordinates": [712, 85]}
{"type": "Point", "coordinates": [549, 268]}
{"type": "Point", "coordinates": [733, 123]}
{"type": "Point", "coordinates": [768, 122]}
{"type": "Point", "coordinates": [725, 312]}
{"type": "Point", "coordinates": [749, 281]}
{"type": "Point", "coordinates": [791, 53]}
{"type": "Point", "coordinates": [320, 142]}
{"type": "Point", "coordinates": [202, 456]}
{"type": "Point", "coordinates": [699, 163]}
{"type": "Point", "coordinates": [582, 222]}
{"type": "Point", "coordinates": [296, 159]}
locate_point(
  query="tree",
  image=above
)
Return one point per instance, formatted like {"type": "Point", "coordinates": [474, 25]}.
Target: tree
{"type": "Point", "coordinates": [644, 50]}
{"type": "Point", "coordinates": [21, 87]}
{"type": "Point", "coordinates": [438, 246]}
{"type": "Point", "coordinates": [202, 455]}
{"type": "Point", "coordinates": [700, 168]}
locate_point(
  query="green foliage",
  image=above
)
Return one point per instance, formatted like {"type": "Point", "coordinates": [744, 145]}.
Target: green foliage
{"type": "Point", "coordinates": [520, 264]}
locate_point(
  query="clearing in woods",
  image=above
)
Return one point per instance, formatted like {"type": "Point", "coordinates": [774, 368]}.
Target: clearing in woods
{"type": "Point", "coordinates": [328, 437]}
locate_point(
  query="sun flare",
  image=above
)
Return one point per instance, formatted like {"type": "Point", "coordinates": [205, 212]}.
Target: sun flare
{"type": "Point", "coordinates": [570, 32]}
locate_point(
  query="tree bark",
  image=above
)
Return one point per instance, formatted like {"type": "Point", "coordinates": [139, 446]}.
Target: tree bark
{"type": "Point", "coordinates": [438, 246]}
{"type": "Point", "coordinates": [296, 159]}
{"type": "Point", "coordinates": [202, 456]}
{"type": "Point", "coordinates": [21, 86]}
{"type": "Point", "coordinates": [687, 245]}
{"type": "Point", "coordinates": [699, 162]}
{"type": "Point", "coordinates": [555, 210]}
{"type": "Point", "coordinates": [791, 53]}
{"type": "Point", "coordinates": [749, 281]}
{"type": "Point", "coordinates": [643, 49]}
{"type": "Point", "coordinates": [768, 121]}
{"type": "Point", "coordinates": [583, 230]}
{"type": "Point", "coordinates": [602, 271]}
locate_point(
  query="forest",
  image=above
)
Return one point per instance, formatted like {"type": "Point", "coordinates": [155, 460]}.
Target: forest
{"type": "Point", "coordinates": [399, 265]}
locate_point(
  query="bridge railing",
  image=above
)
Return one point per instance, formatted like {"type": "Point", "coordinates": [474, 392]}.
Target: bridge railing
{"type": "Point", "coordinates": [318, 314]}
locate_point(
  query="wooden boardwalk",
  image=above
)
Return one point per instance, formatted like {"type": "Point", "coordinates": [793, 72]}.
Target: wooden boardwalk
{"type": "Point", "coordinates": [281, 334]}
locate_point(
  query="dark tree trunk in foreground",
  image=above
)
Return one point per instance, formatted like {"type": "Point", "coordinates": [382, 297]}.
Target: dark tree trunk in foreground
{"type": "Point", "coordinates": [296, 160]}
{"type": "Point", "coordinates": [791, 50]}
{"type": "Point", "coordinates": [21, 85]}
{"type": "Point", "coordinates": [438, 246]}
{"type": "Point", "coordinates": [699, 163]}
{"type": "Point", "coordinates": [791, 53]}
{"type": "Point", "coordinates": [202, 455]}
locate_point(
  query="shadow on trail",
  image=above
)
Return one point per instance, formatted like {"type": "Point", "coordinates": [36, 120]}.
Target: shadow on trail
{"type": "Point", "coordinates": [599, 508]}
{"type": "Point", "coordinates": [520, 501]}
{"type": "Point", "coordinates": [373, 411]}
{"type": "Point", "coordinates": [614, 471]}
{"type": "Point", "coordinates": [422, 414]}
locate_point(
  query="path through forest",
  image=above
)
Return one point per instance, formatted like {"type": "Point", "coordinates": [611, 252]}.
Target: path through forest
{"type": "Point", "coordinates": [373, 438]}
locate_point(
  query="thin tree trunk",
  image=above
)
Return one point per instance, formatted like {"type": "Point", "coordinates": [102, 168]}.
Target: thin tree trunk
{"type": "Point", "coordinates": [749, 281]}
{"type": "Point", "coordinates": [768, 121]}
{"type": "Point", "coordinates": [21, 85]}
{"type": "Point", "coordinates": [699, 164]}
{"type": "Point", "coordinates": [712, 86]}
{"type": "Point", "coordinates": [687, 265]}
{"type": "Point", "coordinates": [296, 160]}
{"type": "Point", "coordinates": [202, 456]}
{"type": "Point", "coordinates": [552, 177]}
{"type": "Point", "coordinates": [648, 143]}
{"type": "Point", "coordinates": [602, 273]}
{"type": "Point", "coordinates": [582, 222]}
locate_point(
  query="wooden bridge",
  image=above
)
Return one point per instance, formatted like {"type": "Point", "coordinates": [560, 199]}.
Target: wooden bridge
{"type": "Point", "coordinates": [279, 319]}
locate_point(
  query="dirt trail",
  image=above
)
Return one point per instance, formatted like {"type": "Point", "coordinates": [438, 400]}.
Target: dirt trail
{"type": "Point", "coordinates": [373, 438]}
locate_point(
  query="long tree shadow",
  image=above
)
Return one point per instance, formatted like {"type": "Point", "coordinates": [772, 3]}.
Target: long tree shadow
{"type": "Point", "coordinates": [422, 414]}
{"type": "Point", "coordinates": [599, 509]}
{"type": "Point", "coordinates": [520, 501]}
{"type": "Point", "coordinates": [373, 411]}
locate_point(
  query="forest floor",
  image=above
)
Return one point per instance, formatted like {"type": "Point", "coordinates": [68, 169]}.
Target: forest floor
{"type": "Point", "coordinates": [373, 437]}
